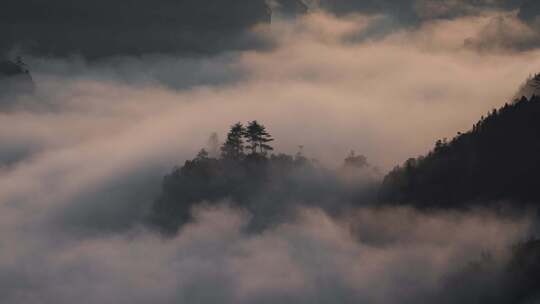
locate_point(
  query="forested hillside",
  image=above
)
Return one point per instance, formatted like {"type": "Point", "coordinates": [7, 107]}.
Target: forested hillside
{"type": "Point", "coordinates": [268, 186]}
{"type": "Point", "coordinates": [497, 160]}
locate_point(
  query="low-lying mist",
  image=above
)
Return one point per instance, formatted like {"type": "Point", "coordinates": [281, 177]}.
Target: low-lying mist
{"type": "Point", "coordinates": [375, 256]}
{"type": "Point", "coordinates": [82, 161]}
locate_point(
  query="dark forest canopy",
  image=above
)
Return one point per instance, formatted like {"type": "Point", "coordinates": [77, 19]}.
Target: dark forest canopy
{"type": "Point", "coordinates": [497, 160]}
{"type": "Point", "coordinates": [269, 186]}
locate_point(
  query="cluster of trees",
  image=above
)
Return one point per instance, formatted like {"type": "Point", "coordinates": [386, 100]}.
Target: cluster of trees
{"type": "Point", "coordinates": [254, 139]}
{"type": "Point", "coordinates": [246, 175]}
{"type": "Point", "coordinates": [238, 173]}
{"type": "Point", "coordinates": [498, 159]}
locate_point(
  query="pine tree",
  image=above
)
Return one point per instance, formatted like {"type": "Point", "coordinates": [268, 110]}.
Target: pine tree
{"type": "Point", "coordinates": [258, 138]}
{"type": "Point", "coordinates": [233, 148]}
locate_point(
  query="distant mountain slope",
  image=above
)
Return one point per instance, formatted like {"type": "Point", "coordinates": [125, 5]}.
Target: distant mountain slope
{"type": "Point", "coordinates": [499, 159]}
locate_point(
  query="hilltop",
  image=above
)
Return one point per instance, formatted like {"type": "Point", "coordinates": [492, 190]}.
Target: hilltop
{"type": "Point", "coordinates": [269, 186]}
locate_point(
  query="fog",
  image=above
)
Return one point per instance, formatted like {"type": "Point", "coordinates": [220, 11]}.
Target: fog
{"type": "Point", "coordinates": [313, 259]}
{"type": "Point", "coordinates": [83, 156]}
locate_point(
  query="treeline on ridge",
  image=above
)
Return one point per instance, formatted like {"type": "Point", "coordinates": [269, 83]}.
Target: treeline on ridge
{"type": "Point", "coordinates": [497, 160]}
{"type": "Point", "coordinates": [247, 175]}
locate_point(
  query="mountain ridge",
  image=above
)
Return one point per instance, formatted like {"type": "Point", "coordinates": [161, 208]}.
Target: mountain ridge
{"type": "Point", "coordinates": [497, 160]}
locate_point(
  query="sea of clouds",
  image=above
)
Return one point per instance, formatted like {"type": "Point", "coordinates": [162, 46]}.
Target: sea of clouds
{"type": "Point", "coordinates": [82, 159]}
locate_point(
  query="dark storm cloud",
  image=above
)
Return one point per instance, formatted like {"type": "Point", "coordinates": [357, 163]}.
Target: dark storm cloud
{"type": "Point", "coordinates": [514, 25]}
{"type": "Point", "coordinates": [97, 29]}
{"type": "Point", "coordinates": [505, 33]}
{"type": "Point", "coordinates": [104, 28]}
{"type": "Point", "coordinates": [418, 10]}
{"type": "Point", "coordinates": [413, 12]}
{"type": "Point", "coordinates": [529, 11]}
{"type": "Point", "coordinates": [101, 28]}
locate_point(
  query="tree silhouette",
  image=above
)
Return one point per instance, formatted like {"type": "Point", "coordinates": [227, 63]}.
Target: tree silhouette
{"type": "Point", "coordinates": [258, 138]}
{"type": "Point", "coordinates": [267, 186]}
{"type": "Point", "coordinates": [497, 160]}
{"type": "Point", "coordinates": [233, 148]}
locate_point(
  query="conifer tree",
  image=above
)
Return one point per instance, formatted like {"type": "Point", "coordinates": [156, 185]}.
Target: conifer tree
{"type": "Point", "coordinates": [258, 138]}
{"type": "Point", "coordinates": [233, 148]}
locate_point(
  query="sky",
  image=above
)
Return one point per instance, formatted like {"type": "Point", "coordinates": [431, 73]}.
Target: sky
{"type": "Point", "coordinates": [83, 156]}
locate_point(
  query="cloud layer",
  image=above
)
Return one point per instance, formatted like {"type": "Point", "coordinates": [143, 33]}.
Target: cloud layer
{"type": "Point", "coordinates": [101, 29]}
{"type": "Point", "coordinates": [82, 160]}
{"type": "Point", "coordinates": [211, 260]}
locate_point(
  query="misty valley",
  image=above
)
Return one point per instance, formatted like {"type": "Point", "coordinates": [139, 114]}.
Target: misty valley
{"type": "Point", "coordinates": [487, 168]}
{"type": "Point", "coordinates": [257, 151]}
